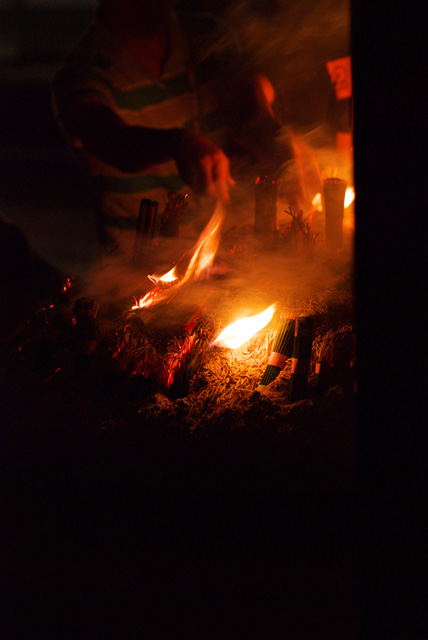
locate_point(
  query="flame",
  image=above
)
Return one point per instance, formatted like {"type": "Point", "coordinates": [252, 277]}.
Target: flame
{"type": "Point", "coordinates": [240, 331]}
{"type": "Point", "coordinates": [190, 267]}
{"type": "Point", "coordinates": [349, 199]}
{"type": "Point", "coordinates": [317, 202]}
{"type": "Point", "coordinates": [349, 196]}
{"type": "Point", "coordinates": [169, 277]}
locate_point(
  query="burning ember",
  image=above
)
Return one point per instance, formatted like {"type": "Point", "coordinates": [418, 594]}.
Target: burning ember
{"type": "Point", "coordinates": [240, 331]}
{"type": "Point", "coordinates": [192, 266]}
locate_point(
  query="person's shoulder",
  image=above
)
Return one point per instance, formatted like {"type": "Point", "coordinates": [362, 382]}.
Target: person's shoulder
{"type": "Point", "coordinates": [205, 24]}
{"type": "Point", "coordinates": [93, 50]}
{"type": "Point", "coordinates": [207, 31]}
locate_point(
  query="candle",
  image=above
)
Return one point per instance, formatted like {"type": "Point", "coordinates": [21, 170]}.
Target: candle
{"type": "Point", "coordinates": [334, 204]}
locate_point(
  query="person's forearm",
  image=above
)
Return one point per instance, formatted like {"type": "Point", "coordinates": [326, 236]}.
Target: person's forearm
{"type": "Point", "coordinates": [129, 149]}
{"type": "Point", "coordinates": [133, 149]}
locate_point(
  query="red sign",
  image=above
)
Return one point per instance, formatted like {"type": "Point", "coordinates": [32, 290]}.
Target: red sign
{"type": "Point", "coordinates": [341, 76]}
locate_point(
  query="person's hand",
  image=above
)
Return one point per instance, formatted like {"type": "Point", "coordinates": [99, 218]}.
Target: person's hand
{"type": "Point", "coordinates": [203, 165]}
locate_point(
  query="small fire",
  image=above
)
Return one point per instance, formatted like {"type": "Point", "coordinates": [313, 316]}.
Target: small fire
{"type": "Point", "coordinates": [240, 331]}
{"type": "Point", "coordinates": [317, 203]}
{"type": "Point", "coordinates": [349, 196]}
{"type": "Point", "coordinates": [190, 267]}
{"type": "Point", "coordinates": [167, 279]}
{"type": "Point", "coordinates": [349, 199]}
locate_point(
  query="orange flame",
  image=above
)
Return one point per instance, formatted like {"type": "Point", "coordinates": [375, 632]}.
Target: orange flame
{"type": "Point", "coordinates": [349, 199]}
{"type": "Point", "coordinates": [317, 203]}
{"type": "Point", "coordinates": [190, 267]}
{"type": "Point", "coordinates": [349, 196]}
{"type": "Point", "coordinates": [240, 331]}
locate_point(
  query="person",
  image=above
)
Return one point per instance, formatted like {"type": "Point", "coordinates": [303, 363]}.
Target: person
{"type": "Point", "coordinates": [152, 101]}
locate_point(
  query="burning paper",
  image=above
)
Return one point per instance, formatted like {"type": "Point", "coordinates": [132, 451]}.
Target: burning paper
{"type": "Point", "coordinates": [192, 265]}
{"type": "Point", "coordinates": [240, 331]}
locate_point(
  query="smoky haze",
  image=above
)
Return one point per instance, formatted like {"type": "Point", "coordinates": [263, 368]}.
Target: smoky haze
{"type": "Point", "coordinates": [290, 42]}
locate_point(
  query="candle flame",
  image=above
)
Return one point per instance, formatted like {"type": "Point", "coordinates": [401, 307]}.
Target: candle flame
{"type": "Point", "coordinates": [317, 202]}
{"type": "Point", "coordinates": [240, 331]}
{"type": "Point", "coordinates": [349, 199]}
{"type": "Point", "coordinates": [349, 196]}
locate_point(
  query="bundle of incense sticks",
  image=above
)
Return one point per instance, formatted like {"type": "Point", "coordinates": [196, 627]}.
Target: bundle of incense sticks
{"type": "Point", "coordinates": [302, 347]}
{"type": "Point", "coordinates": [86, 310]}
{"type": "Point", "coordinates": [172, 215]}
{"type": "Point", "coordinates": [282, 350]}
{"type": "Point", "coordinates": [298, 237]}
{"type": "Point", "coordinates": [265, 220]}
{"type": "Point", "coordinates": [334, 206]}
{"type": "Point", "coordinates": [323, 368]}
{"type": "Point", "coordinates": [147, 223]}
{"type": "Point", "coordinates": [186, 355]}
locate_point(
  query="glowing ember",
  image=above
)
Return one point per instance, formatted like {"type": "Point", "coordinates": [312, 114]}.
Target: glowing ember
{"type": "Point", "coordinates": [240, 331]}
{"type": "Point", "coordinates": [349, 196]}
{"type": "Point", "coordinates": [317, 202]}
{"type": "Point", "coordinates": [191, 266]}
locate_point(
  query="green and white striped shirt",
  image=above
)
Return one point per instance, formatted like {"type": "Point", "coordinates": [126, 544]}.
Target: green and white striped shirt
{"type": "Point", "coordinates": [99, 69]}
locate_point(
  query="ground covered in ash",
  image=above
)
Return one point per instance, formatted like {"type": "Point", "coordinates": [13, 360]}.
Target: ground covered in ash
{"type": "Point", "coordinates": [67, 395]}
{"type": "Point", "coordinates": [204, 511]}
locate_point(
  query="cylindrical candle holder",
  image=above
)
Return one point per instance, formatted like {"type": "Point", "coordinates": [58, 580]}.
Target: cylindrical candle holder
{"type": "Point", "coordinates": [302, 347]}
{"type": "Point", "coordinates": [145, 230]}
{"type": "Point", "coordinates": [334, 205]}
{"type": "Point", "coordinates": [265, 220]}
{"type": "Point", "coordinates": [323, 376]}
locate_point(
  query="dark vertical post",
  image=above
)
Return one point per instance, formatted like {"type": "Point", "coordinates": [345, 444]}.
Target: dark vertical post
{"type": "Point", "coordinates": [265, 220]}
{"type": "Point", "coordinates": [334, 204]}
{"type": "Point", "coordinates": [302, 348]}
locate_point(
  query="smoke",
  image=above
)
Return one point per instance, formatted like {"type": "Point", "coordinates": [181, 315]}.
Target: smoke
{"type": "Point", "coordinates": [289, 42]}
{"type": "Point", "coordinates": [243, 280]}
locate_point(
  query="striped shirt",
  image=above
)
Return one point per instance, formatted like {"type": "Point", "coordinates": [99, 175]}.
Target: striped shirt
{"type": "Point", "coordinates": [98, 69]}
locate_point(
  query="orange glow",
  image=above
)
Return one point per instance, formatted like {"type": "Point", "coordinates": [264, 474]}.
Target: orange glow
{"type": "Point", "coordinates": [349, 196]}
{"type": "Point", "coordinates": [349, 199]}
{"type": "Point", "coordinates": [170, 276]}
{"type": "Point", "coordinates": [240, 331]}
{"type": "Point", "coordinates": [317, 202]}
{"type": "Point", "coordinates": [190, 267]}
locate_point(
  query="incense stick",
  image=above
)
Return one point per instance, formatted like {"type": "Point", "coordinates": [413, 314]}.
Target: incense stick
{"type": "Point", "coordinates": [265, 219]}
{"type": "Point", "coordinates": [302, 347]}
{"type": "Point", "coordinates": [145, 230]}
{"type": "Point", "coordinates": [281, 351]}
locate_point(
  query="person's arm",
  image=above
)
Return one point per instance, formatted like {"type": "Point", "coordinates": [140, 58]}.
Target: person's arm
{"type": "Point", "coordinates": [253, 124]}
{"type": "Point", "coordinates": [201, 164]}
{"type": "Point", "coordinates": [281, 152]}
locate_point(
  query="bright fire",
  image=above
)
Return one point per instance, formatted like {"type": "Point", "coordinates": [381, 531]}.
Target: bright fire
{"type": "Point", "coordinates": [235, 334]}
{"type": "Point", "coordinates": [316, 202]}
{"type": "Point", "coordinates": [349, 196]}
{"type": "Point", "coordinates": [349, 199]}
{"type": "Point", "coordinates": [190, 267]}
{"type": "Point", "coordinates": [171, 276]}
